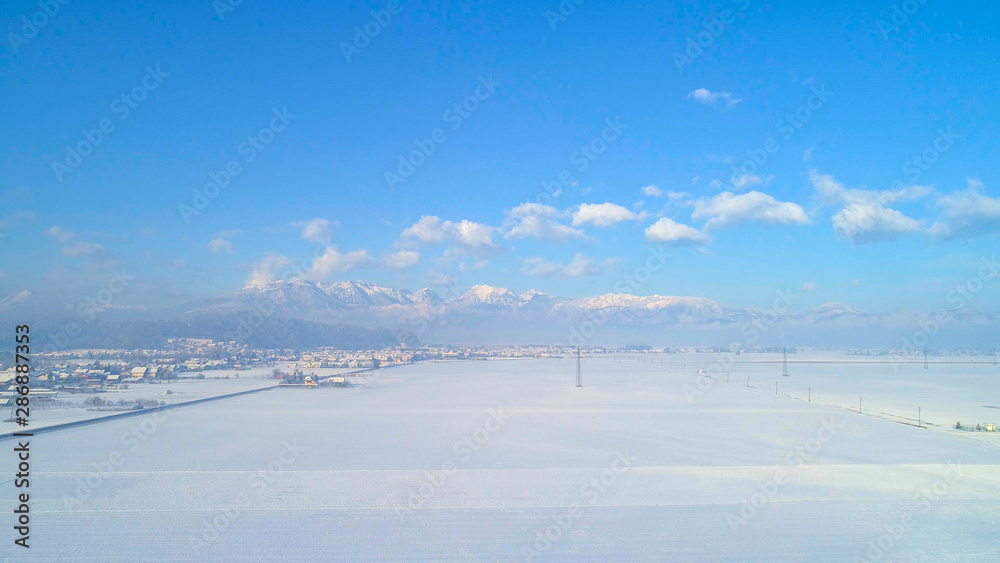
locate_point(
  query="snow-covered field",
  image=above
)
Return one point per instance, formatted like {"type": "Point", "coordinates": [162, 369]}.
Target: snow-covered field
{"type": "Point", "coordinates": [508, 460]}
{"type": "Point", "coordinates": [71, 407]}
{"type": "Point", "coordinates": [951, 389]}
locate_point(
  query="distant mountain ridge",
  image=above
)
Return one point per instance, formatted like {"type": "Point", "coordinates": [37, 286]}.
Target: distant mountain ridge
{"type": "Point", "coordinates": [363, 301]}
{"type": "Point", "coordinates": [358, 314]}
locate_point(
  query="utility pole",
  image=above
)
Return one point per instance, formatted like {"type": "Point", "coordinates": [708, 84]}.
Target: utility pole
{"type": "Point", "coordinates": [919, 419]}
{"type": "Point", "coordinates": [579, 373]}
{"type": "Point", "coordinates": [748, 381]}
{"type": "Point", "coordinates": [810, 394]}
{"type": "Point", "coordinates": [925, 357]}
{"type": "Point", "coordinates": [859, 405]}
{"type": "Point", "coordinates": [784, 362]}
{"type": "Point", "coordinates": [775, 387]}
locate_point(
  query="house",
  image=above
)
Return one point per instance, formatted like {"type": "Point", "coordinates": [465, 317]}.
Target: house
{"type": "Point", "coordinates": [138, 373]}
{"type": "Point", "coordinates": [8, 375]}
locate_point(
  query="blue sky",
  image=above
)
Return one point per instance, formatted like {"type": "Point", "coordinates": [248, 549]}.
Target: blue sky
{"type": "Point", "coordinates": [835, 211]}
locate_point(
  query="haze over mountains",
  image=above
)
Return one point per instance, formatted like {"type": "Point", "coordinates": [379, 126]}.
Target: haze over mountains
{"type": "Point", "coordinates": [485, 314]}
{"type": "Point", "coordinates": [358, 314]}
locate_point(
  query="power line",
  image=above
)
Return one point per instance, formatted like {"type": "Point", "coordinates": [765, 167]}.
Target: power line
{"type": "Point", "coordinates": [579, 373]}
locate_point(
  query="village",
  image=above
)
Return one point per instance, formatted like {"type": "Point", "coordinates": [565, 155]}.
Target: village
{"type": "Point", "coordinates": [65, 378]}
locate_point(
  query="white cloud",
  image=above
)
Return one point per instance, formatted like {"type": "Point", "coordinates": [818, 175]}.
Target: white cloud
{"type": "Point", "coordinates": [728, 209]}
{"type": "Point", "coordinates": [9, 221]}
{"type": "Point", "coordinates": [581, 266]}
{"type": "Point", "coordinates": [466, 236]}
{"type": "Point", "coordinates": [220, 245]}
{"type": "Point", "coordinates": [60, 235]}
{"type": "Point", "coordinates": [330, 261]}
{"type": "Point", "coordinates": [401, 260]}
{"type": "Point", "coordinates": [473, 267]}
{"type": "Point", "coordinates": [742, 181]}
{"type": "Point", "coordinates": [603, 214]}
{"type": "Point", "coordinates": [830, 191]}
{"type": "Point", "coordinates": [968, 213]}
{"type": "Point", "coordinates": [809, 286]}
{"type": "Point", "coordinates": [670, 232]}
{"type": "Point", "coordinates": [530, 209]}
{"type": "Point", "coordinates": [721, 158]}
{"type": "Point", "coordinates": [652, 191]}
{"type": "Point", "coordinates": [429, 230]}
{"type": "Point", "coordinates": [266, 271]}
{"type": "Point", "coordinates": [441, 279]}
{"type": "Point", "coordinates": [865, 223]}
{"type": "Point", "coordinates": [76, 248]}
{"type": "Point", "coordinates": [316, 230]}
{"type": "Point", "coordinates": [538, 221]}
{"type": "Point", "coordinates": [333, 261]}
{"type": "Point", "coordinates": [470, 234]}
{"type": "Point", "coordinates": [10, 300]}
{"type": "Point", "coordinates": [866, 217]}
{"type": "Point", "coordinates": [725, 100]}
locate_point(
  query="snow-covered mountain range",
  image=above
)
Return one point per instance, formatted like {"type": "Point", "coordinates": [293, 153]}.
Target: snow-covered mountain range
{"type": "Point", "coordinates": [358, 301]}
{"type": "Point", "coordinates": [485, 314]}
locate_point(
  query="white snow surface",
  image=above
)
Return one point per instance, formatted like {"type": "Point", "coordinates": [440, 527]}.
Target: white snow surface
{"type": "Point", "coordinates": [379, 472]}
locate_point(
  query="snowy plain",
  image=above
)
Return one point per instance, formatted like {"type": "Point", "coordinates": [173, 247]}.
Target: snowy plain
{"type": "Point", "coordinates": [69, 407]}
{"type": "Point", "coordinates": [506, 460]}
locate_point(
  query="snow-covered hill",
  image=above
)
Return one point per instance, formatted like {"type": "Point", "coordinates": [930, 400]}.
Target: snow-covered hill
{"type": "Point", "coordinates": [360, 300]}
